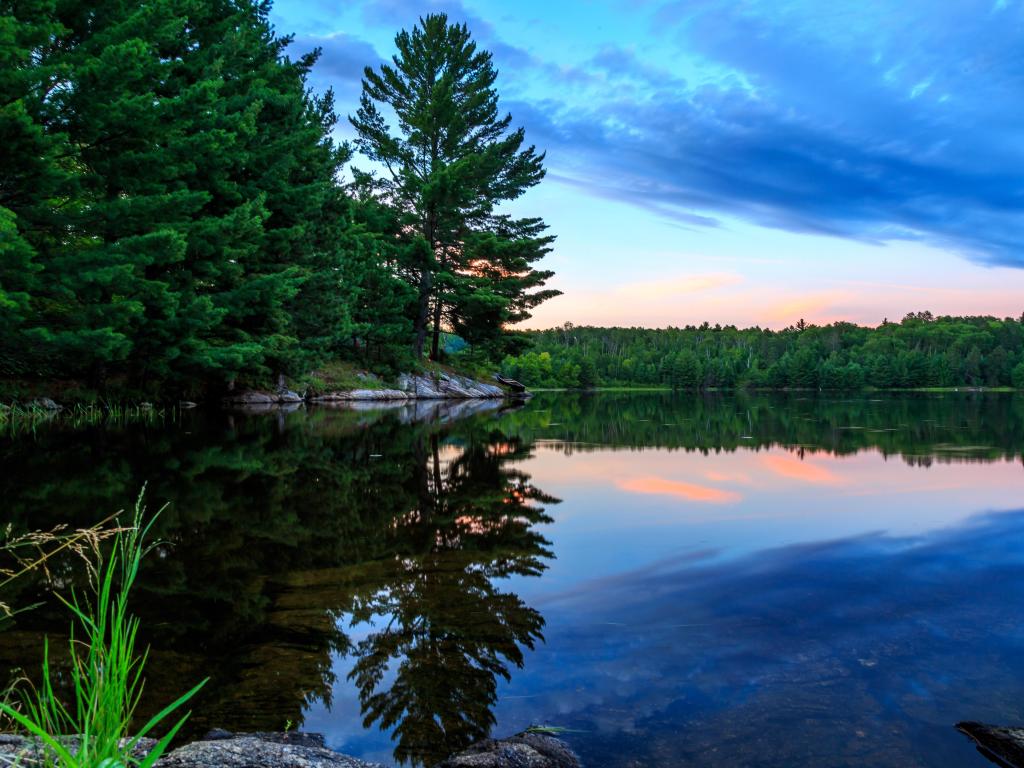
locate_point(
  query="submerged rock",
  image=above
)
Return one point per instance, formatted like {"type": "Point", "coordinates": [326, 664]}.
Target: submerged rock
{"type": "Point", "coordinates": [524, 750]}
{"type": "Point", "coordinates": [1000, 744]}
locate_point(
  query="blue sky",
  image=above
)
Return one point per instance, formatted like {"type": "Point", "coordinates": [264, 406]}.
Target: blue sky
{"type": "Point", "coordinates": [751, 161]}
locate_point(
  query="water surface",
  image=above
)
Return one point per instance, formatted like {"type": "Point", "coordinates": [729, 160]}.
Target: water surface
{"type": "Point", "coordinates": [676, 579]}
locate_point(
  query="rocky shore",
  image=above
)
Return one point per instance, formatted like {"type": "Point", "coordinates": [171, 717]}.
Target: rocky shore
{"type": "Point", "coordinates": [221, 749]}
{"type": "Point", "coordinates": [442, 386]}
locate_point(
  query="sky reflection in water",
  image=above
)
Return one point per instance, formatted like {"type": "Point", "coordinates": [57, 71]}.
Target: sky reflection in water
{"type": "Point", "coordinates": [768, 606]}
{"type": "Point", "coordinates": [680, 580]}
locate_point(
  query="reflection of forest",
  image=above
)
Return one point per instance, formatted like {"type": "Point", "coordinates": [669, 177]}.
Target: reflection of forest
{"type": "Point", "coordinates": [285, 533]}
{"type": "Point", "coordinates": [922, 428]}
{"type": "Point", "coordinates": [280, 533]}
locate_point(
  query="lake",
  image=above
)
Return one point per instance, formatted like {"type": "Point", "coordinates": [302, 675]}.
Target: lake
{"type": "Point", "coordinates": [676, 579]}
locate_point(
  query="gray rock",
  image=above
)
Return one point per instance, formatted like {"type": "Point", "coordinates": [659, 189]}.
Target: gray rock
{"type": "Point", "coordinates": [45, 403]}
{"type": "Point", "coordinates": [524, 750]}
{"type": "Point", "coordinates": [22, 751]}
{"type": "Point", "coordinates": [453, 389]}
{"type": "Point", "coordinates": [420, 387]}
{"type": "Point", "coordinates": [1002, 745]}
{"type": "Point", "coordinates": [425, 388]}
{"type": "Point", "coordinates": [331, 397]}
{"type": "Point", "coordinates": [287, 396]}
{"type": "Point", "coordinates": [377, 394]}
{"type": "Point", "coordinates": [251, 397]}
{"type": "Point", "coordinates": [260, 751]}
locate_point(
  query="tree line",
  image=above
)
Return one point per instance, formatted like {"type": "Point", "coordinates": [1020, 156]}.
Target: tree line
{"type": "Point", "coordinates": [920, 351]}
{"type": "Point", "coordinates": [175, 214]}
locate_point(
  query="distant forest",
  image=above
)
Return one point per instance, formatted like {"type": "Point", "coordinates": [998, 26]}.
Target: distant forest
{"type": "Point", "coordinates": [921, 351]}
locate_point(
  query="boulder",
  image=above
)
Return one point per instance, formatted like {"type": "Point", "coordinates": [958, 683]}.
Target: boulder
{"type": "Point", "coordinates": [250, 397]}
{"type": "Point", "coordinates": [524, 750]}
{"type": "Point", "coordinates": [218, 749]}
{"type": "Point", "coordinates": [287, 396]}
{"type": "Point", "coordinates": [1000, 744]}
{"type": "Point", "coordinates": [420, 387]}
{"type": "Point", "coordinates": [260, 750]}
{"type": "Point", "coordinates": [330, 397]}
{"type": "Point", "coordinates": [377, 394]}
{"type": "Point", "coordinates": [451, 388]}
{"type": "Point", "coordinates": [45, 403]}
{"type": "Point", "coordinates": [28, 752]}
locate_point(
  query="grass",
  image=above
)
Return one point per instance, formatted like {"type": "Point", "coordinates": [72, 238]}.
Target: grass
{"type": "Point", "coordinates": [32, 552]}
{"type": "Point", "coordinates": [20, 418]}
{"type": "Point", "coordinates": [106, 673]}
{"type": "Point", "coordinates": [336, 376]}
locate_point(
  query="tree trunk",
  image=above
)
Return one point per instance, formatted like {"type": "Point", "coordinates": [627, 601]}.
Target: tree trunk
{"type": "Point", "coordinates": [436, 333]}
{"type": "Point", "coordinates": [423, 312]}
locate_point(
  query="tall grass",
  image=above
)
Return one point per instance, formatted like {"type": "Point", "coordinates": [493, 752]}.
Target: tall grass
{"type": "Point", "coordinates": [21, 418]}
{"type": "Point", "coordinates": [106, 674]}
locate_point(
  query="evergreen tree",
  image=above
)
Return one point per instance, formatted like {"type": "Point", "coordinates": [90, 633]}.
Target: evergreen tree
{"type": "Point", "coordinates": [172, 210]}
{"type": "Point", "coordinates": [450, 160]}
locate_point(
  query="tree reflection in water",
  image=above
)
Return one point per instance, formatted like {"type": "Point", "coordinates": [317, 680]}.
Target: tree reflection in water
{"type": "Point", "coordinates": [278, 534]}
{"type": "Point", "coordinates": [446, 629]}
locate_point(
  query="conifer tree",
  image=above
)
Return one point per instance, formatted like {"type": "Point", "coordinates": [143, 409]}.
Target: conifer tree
{"type": "Point", "coordinates": [172, 211]}
{"type": "Point", "coordinates": [450, 159]}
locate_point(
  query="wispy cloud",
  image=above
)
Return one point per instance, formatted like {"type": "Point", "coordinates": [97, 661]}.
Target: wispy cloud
{"type": "Point", "coordinates": [661, 486]}
{"type": "Point", "coordinates": [868, 121]}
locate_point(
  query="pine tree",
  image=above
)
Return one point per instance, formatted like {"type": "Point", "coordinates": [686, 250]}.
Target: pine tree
{"type": "Point", "coordinates": [172, 211]}
{"type": "Point", "coordinates": [450, 160]}
{"type": "Point", "coordinates": [34, 177]}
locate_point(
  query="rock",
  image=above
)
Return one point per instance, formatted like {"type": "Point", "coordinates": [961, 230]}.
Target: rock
{"type": "Point", "coordinates": [295, 738]}
{"type": "Point", "coordinates": [425, 388]}
{"type": "Point", "coordinates": [250, 398]}
{"type": "Point", "coordinates": [287, 396]}
{"type": "Point", "coordinates": [378, 394]}
{"type": "Point", "coordinates": [524, 750]}
{"type": "Point", "coordinates": [216, 734]}
{"type": "Point", "coordinates": [330, 397]}
{"type": "Point", "coordinates": [22, 751]}
{"type": "Point", "coordinates": [184, 404]}
{"type": "Point", "coordinates": [454, 389]}
{"type": "Point", "coordinates": [45, 403]}
{"type": "Point", "coordinates": [419, 387]}
{"type": "Point", "coordinates": [1002, 745]}
{"type": "Point", "coordinates": [260, 750]}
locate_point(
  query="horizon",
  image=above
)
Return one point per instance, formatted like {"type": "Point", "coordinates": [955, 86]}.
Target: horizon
{"type": "Point", "coordinates": [748, 165]}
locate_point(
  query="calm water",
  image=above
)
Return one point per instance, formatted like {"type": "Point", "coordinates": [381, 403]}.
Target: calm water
{"type": "Point", "coordinates": [678, 580]}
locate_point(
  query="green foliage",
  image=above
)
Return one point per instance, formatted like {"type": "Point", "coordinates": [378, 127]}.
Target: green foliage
{"type": "Point", "coordinates": [922, 351]}
{"type": "Point", "coordinates": [451, 158]}
{"type": "Point", "coordinates": [173, 212]}
{"type": "Point", "coordinates": [105, 674]}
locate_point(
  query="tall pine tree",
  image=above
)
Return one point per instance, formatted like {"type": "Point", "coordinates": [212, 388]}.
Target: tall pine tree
{"type": "Point", "coordinates": [450, 160]}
